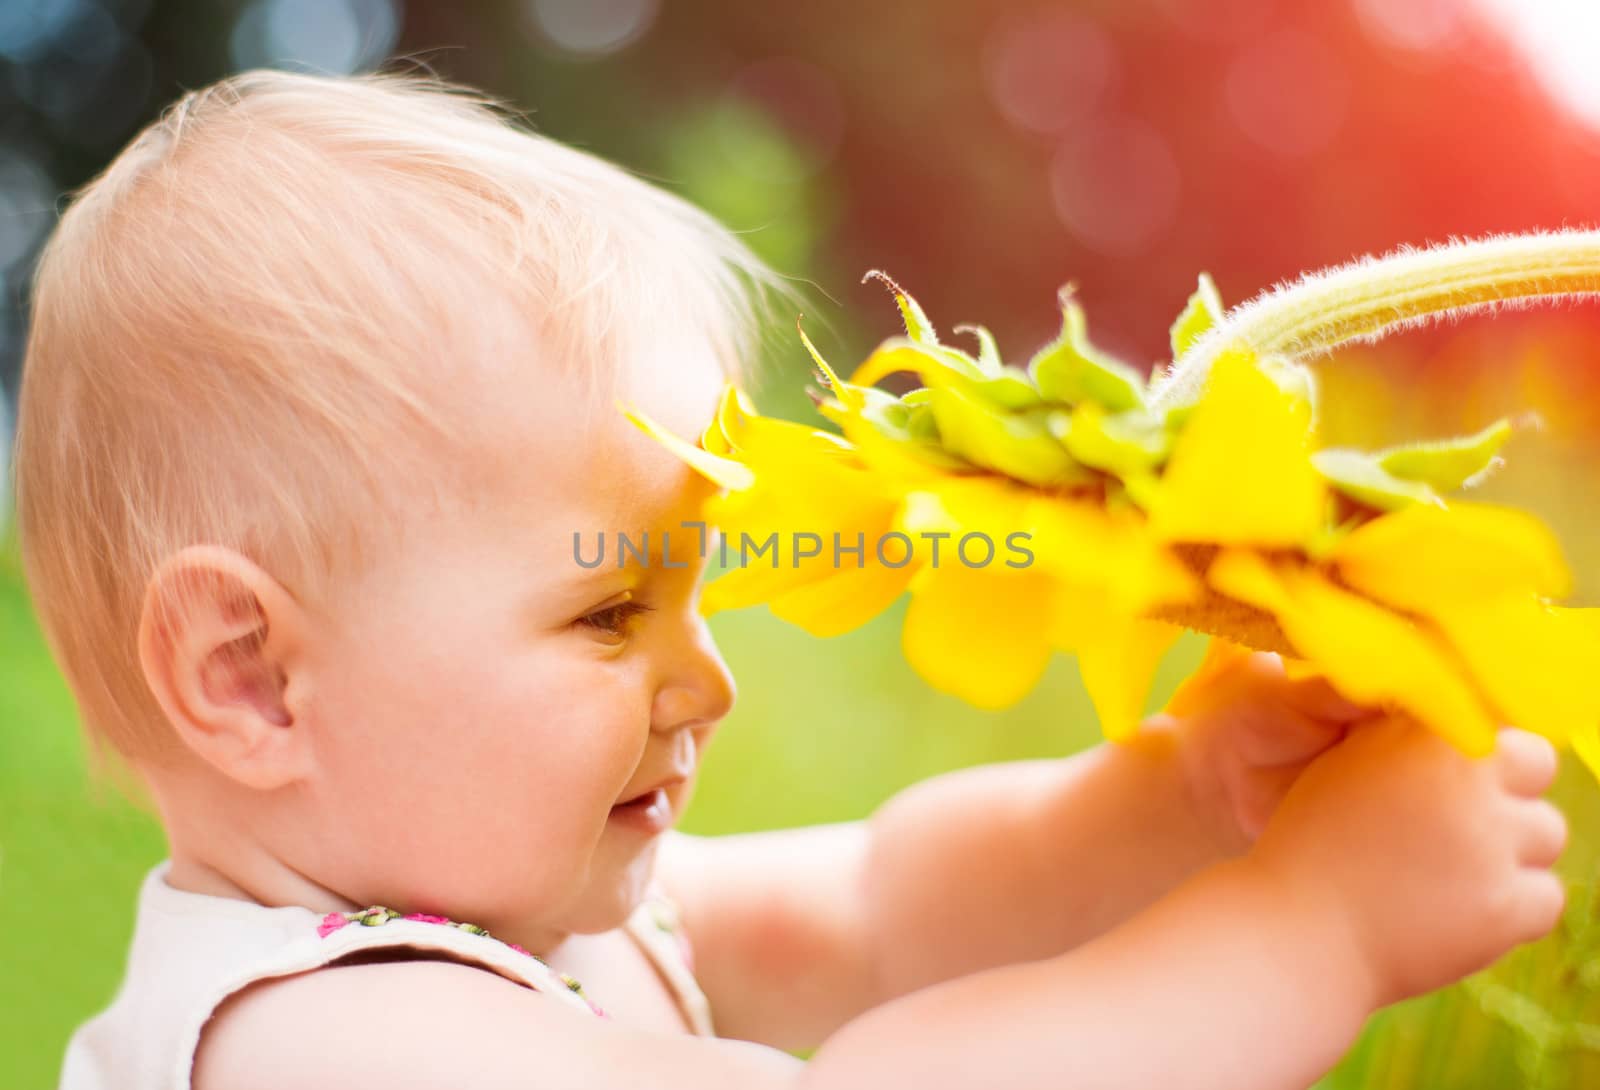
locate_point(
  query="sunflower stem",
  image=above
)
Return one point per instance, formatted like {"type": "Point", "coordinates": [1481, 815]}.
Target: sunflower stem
{"type": "Point", "coordinates": [1369, 297]}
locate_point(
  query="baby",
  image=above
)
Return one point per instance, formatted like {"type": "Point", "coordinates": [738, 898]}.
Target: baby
{"type": "Point", "coordinates": [321, 383]}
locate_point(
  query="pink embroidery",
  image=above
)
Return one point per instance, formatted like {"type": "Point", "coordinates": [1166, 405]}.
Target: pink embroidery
{"type": "Point", "coordinates": [378, 916]}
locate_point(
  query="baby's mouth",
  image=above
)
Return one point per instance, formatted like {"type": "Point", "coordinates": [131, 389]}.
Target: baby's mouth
{"type": "Point", "coordinates": [643, 801]}
{"type": "Point", "coordinates": [650, 812]}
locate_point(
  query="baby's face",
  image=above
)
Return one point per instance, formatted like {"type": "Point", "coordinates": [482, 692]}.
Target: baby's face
{"type": "Point", "coordinates": [488, 702]}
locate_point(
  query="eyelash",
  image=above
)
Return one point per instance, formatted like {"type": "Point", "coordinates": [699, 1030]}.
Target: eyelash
{"type": "Point", "coordinates": [613, 620]}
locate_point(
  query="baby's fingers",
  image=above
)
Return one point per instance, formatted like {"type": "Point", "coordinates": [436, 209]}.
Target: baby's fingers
{"type": "Point", "coordinates": [1542, 834]}
{"type": "Point", "coordinates": [1539, 900]}
{"type": "Point", "coordinates": [1527, 761]}
{"type": "Point", "coordinates": [1317, 698]}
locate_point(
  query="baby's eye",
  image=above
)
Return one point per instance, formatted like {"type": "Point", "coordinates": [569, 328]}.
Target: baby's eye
{"type": "Point", "coordinates": [612, 621]}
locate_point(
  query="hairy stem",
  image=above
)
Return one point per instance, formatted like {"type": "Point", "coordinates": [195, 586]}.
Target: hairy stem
{"type": "Point", "coordinates": [1372, 296]}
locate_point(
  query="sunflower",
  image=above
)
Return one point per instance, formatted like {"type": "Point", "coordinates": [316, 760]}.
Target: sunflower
{"type": "Point", "coordinates": [1114, 515]}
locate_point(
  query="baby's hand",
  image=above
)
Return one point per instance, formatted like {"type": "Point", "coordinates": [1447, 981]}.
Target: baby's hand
{"type": "Point", "coordinates": [1244, 732]}
{"type": "Point", "coordinates": [1434, 864]}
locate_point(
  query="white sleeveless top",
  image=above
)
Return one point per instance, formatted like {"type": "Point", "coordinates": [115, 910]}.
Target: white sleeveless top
{"type": "Point", "coordinates": [191, 951]}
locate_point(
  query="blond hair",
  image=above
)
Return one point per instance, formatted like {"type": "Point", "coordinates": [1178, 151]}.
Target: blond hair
{"type": "Point", "coordinates": [243, 328]}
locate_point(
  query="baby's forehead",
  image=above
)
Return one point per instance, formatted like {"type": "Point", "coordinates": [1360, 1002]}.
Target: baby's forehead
{"type": "Point", "coordinates": [571, 454]}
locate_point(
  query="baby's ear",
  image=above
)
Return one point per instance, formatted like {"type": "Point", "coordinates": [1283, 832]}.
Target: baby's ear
{"type": "Point", "coordinates": [218, 640]}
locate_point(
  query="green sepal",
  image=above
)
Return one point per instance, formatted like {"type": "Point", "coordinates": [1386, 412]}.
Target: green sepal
{"type": "Point", "coordinates": [892, 418]}
{"type": "Point", "coordinates": [918, 328]}
{"type": "Point", "coordinates": [1125, 444]}
{"type": "Point", "coordinates": [1018, 444]}
{"type": "Point", "coordinates": [921, 424]}
{"type": "Point", "coordinates": [1071, 370]}
{"type": "Point", "coordinates": [1448, 464]}
{"type": "Point", "coordinates": [988, 350]}
{"type": "Point", "coordinates": [1009, 388]}
{"type": "Point", "coordinates": [1203, 312]}
{"type": "Point", "coordinates": [1358, 475]}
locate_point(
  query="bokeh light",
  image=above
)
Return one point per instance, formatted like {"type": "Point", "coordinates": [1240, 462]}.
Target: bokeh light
{"type": "Point", "coordinates": [1116, 184]}
{"type": "Point", "coordinates": [592, 28]}
{"type": "Point", "coordinates": [27, 207]}
{"type": "Point", "coordinates": [340, 36]}
{"type": "Point", "coordinates": [1425, 26]}
{"type": "Point", "coordinates": [1049, 68]}
{"type": "Point", "coordinates": [28, 27]}
{"type": "Point", "coordinates": [1562, 40]}
{"type": "Point", "coordinates": [1287, 92]}
{"type": "Point", "coordinates": [803, 99]}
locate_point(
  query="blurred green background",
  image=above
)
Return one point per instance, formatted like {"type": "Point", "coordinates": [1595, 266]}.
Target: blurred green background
{"type": "Point", "coordinates": [983, 155]}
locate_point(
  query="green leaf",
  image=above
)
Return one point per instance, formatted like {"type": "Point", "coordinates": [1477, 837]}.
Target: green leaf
{"type": "Point", "coordinates": [1448, 464]}
{"type": "Point", "coordinates": [1071, 370]}
{"type": "Point", "coordinates": [1203, 312]}
{"type": "Point", "coordinates": [1358, 475]}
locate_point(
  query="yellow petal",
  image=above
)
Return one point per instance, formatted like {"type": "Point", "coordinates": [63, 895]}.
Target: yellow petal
{"type": "Point", "coordinates": [845, 599]}
{"type": "Point", "coordinates": [1586, 743]}
{"type": "Point", "coordinates": [1117, 670]}
{"type": "Point", "coordinates": [1536, 664]}
{"type": "Point", "coordinates": [732, 408]}
{"type": "Point", "coordinates": [720, 470]}
{"type": "Point", "coordinates": [978, 634]}
{"type": "Point", "coordinates": [801, 494]}
{"type": "Point", "coordinates": [1371, 656]}
{"type": "Point", "coordinates": [782, 530]}
{"type": "Point", "coordinates": [1241, 471]}
{"type": "Point", "coordinates": [1111, 554]}
{"type": "Point", "coordinates": [758, 582]}
{"type": "Point", "coordinates": [1420, 555]}
{"type": "Point", "coordinates": [961, 505]}
{"type": "Point", "coordinates": [899, 355]}
{"type": "Point", "coordinates": [1586, 736]}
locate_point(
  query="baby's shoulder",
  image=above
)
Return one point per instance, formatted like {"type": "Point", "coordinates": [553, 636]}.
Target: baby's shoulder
{"type": "Point", "coordinates": [432, 1023]}
{"type": "Point", "coordinates": [383, 1023]}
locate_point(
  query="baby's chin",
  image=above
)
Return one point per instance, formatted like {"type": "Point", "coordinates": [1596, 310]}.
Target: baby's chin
{"type": "Point", "coordinates": [613, 893]}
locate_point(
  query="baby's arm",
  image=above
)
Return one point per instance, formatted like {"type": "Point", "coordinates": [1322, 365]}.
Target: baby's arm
{"type": "Point", "coordinates": [801, 930]}
{"type": "Point", "coordinates": [797, 931]}
{"type": "Point", "coordinates": [1181, 994]}
{"type": "Point", "coordinates": [1394, 866]}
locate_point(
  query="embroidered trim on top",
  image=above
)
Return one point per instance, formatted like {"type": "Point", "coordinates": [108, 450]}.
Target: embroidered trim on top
{"type": "Point", "coordinates": [378, 915]}
{"type": "Point", "coordinates": [664, 915]}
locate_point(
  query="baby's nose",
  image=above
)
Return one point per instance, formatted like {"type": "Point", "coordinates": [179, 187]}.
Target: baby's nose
{"type": "Point", "coordinates": [701, 696]}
